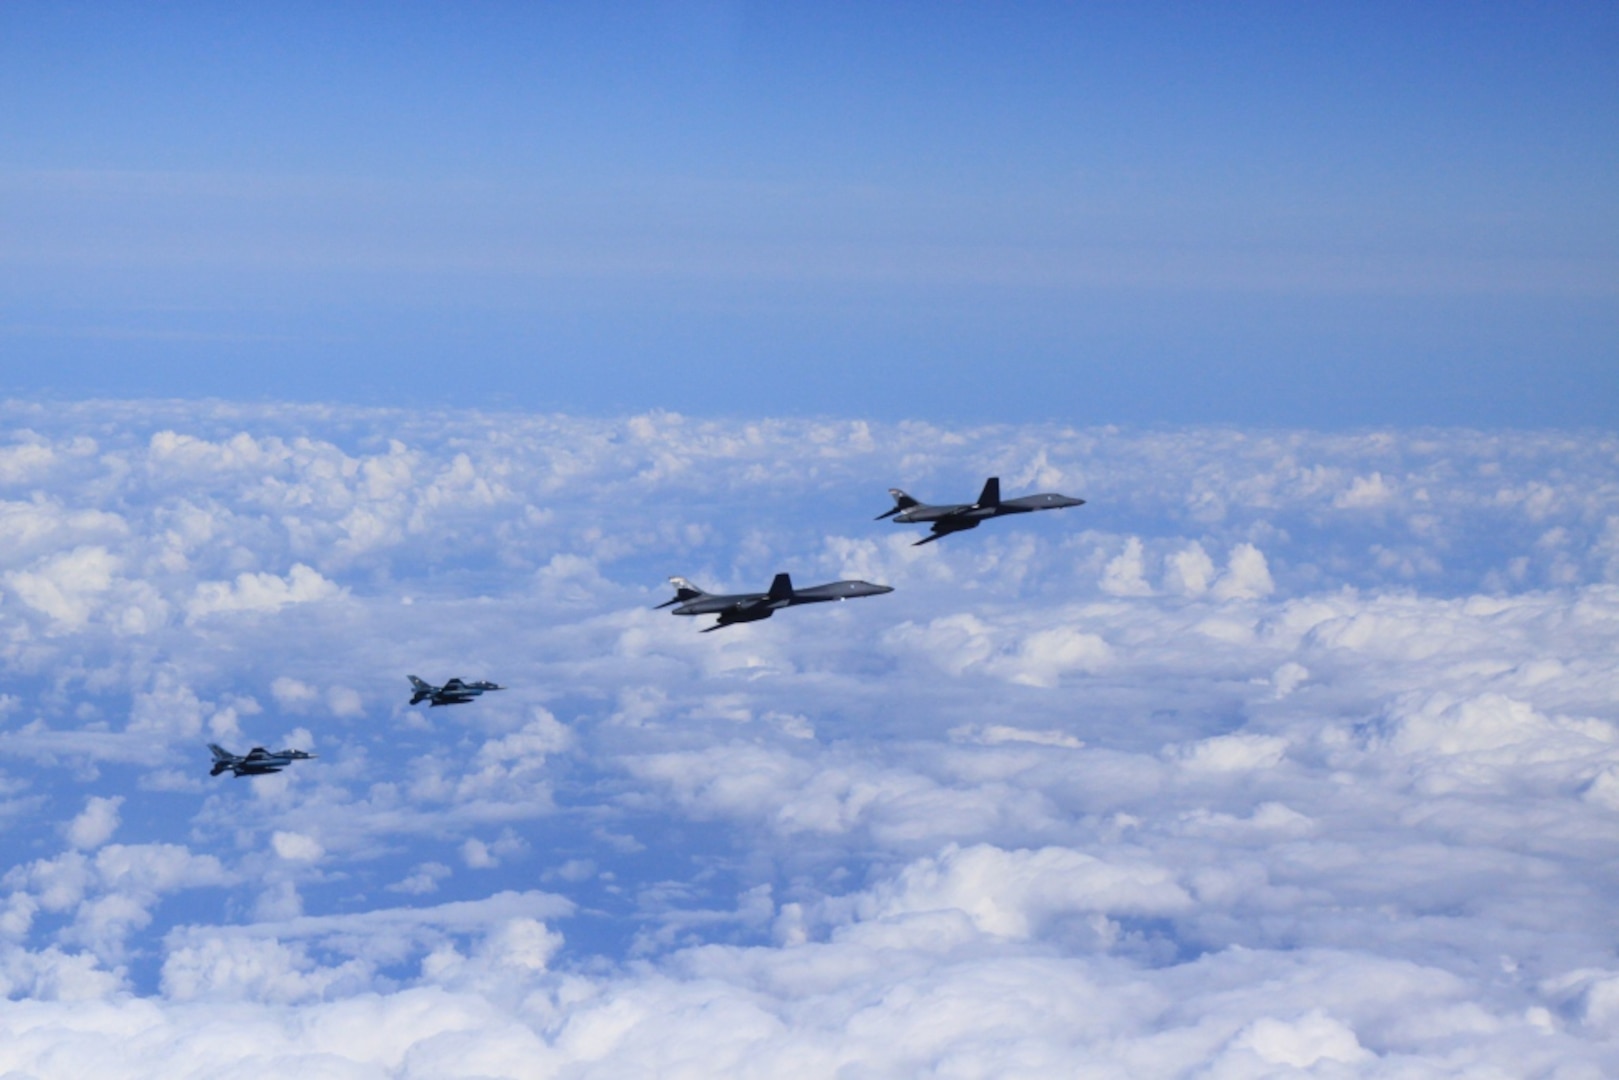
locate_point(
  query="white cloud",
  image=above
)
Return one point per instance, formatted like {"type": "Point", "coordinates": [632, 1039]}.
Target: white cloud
{"type": "Point", "coordinates": [25, 463]}
{"type": "Point", "coordinates": [343, 701]}
{"type": "Point", "coordinates": [96, 823]}
{"type": "Point", "coordinates": [1289, 753]}
{"type": "Point", "coordinates": [959, 644]}
{"type": "Point", "coordinates": [1247, 576]}
{"type": "Point", "coordinates": [1008, 893]}
{"type": "Point", "coordinates": [997, 734]}
{"type": "Point", "coordinates": [1365, 492]}
{"type": "Point", "coordinates": [1289, 677]}
{"type": "Point", "coordinates": [424, 879]}
{"type": "Point", "coordinates": [1233, 753]}
{"type": "Point", "coordinates": [476, 854]}
{"type": "Point", "coordinates": [296, 847]}
{"type": "Point", "coordinates": [67, 588]}
{"type": "Point", "coordinates": [1301, 1043]}
{"type": "Point", "coordinates": [1189, 571]}
{"type": "Point", "coordinates": [1125, 574]}
{"type": "Point", "coordinates": [1045, 655]}
{"type": "Point", "coordinates": [261, 593]}
{"type": "Point", "coordinates": [293, 694]}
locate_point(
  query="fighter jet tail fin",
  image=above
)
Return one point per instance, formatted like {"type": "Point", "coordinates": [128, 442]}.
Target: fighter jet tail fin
{"type": "Point", "coordinates": [902, 501]}
{"type": "Point", "coordinates": [417, 683]}
{"type": "Point", "coordinates": [220, 753]}
{"type": "Point", "coordinates": [781, 587]}
{"type": "Point", "coordinates": [991, 495]}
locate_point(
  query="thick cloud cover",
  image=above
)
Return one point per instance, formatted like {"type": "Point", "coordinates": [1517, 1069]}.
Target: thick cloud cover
{"type": "Point", "coordinates": [1289, 754]}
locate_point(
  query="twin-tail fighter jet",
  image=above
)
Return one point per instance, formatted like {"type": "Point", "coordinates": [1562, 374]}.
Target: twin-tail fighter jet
{"type": "Point", "coordinates": [454, 692]}
{"type": "Point", "coordinates": [256, 762]}
{"type": "Point", "coordinates": [751, 607]}
{"type": "Point", "coordinates": [960, 517]}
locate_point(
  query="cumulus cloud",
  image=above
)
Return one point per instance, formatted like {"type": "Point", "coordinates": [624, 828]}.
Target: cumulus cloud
{"type": "Point", "coordinates": [1125, 574]}
{"type": "Point", "coordinates": [293, 694]}
{"type": "Point", "coordinates": [1247, 576]}
{"type": "Point", "coordinates": [296, 847]}
{"type": "Point", "coordinates": [1288, 754]}
{"type": "Point", "coordinates": [96, 823]}
{"type": "Point", "coordinates": [261, 592]}
{"type": "Point", "coordinates": [68, 587]}
{"type": "Point", "coordinates": [1008, 893]}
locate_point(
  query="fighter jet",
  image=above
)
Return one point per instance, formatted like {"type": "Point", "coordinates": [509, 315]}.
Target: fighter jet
{"type": "Point", "coordinates": [963, 516]}
{"type": "Point", "coordinates": [256, 762]}
{"type": "Point", "coordinates": [751, 607]}
{"type": "Point", "coordinates": [454, 692]}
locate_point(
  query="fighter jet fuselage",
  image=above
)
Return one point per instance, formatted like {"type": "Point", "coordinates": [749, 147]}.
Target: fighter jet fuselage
{"type": "Point", "coordinates": [751, 607]}
{"type": "Point", "coordinates": [256, 762]}
{"type": "Point", "coordinates": [959, 517]}
{"type": "Point", "coordinates": [454, 692]}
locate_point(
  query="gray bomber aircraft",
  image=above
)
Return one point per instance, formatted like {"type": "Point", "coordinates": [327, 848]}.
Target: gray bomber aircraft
{"type": "Point", "coordinates": [751, 607]}
{"type": "Point", "coordinates": [960, 517]}
{"type": "Point", "coordinates": [454, 692]}
{"type": "Point", "coordinates": [256, 762]}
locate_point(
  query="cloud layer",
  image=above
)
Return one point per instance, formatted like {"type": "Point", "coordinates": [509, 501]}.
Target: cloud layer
{"type": "Point", "coordinates": [1288, 754]}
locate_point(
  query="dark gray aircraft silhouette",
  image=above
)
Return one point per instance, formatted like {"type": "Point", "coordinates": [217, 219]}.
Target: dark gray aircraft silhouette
{"type": "Point", "coordinates": [256, 762]}
{"type": "Point", "coordinates": [454, 692]}
{"type": "Point", "coordinates": [751, 607]}
{"type": "Point", "coordinates": [960, 517]}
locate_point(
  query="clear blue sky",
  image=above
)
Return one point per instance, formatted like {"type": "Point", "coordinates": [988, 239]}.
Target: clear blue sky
{"type": "Point", "coordinates": [1275, 214]}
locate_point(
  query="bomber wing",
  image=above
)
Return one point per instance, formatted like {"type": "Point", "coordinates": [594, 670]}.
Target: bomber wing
{"type": "Point", "coordinates": [839, 590]}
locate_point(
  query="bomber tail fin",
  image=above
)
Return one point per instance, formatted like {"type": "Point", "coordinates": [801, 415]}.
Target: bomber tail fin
{"type": "Point", "coordinates": [684, 591]}
{"type": "Point", "coordinates": [991, 495]}
{"type": "Point", "coordinates": [781, 587]}
{"type": "Point", "coordinates": [902, 501]}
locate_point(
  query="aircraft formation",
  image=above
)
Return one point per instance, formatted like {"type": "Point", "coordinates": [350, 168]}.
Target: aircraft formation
{"type": "Point", "coordinates": [943, 520]}
{"type": "Point", "coordinates": [731, 608]}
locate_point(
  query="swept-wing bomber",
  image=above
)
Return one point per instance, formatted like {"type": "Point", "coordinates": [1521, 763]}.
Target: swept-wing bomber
{"type": "Point", "coordinates": [256, 762]}
{"type": "Point", "coordinates": [751, 607]}
{"type": "Point", "coordinates": [959, 517]}
{"type": "Point", "coordinates": [454, 692]}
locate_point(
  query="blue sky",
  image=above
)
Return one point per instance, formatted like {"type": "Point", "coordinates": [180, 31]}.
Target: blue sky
{"type": "Point", "coordinates": [1263, 214]}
